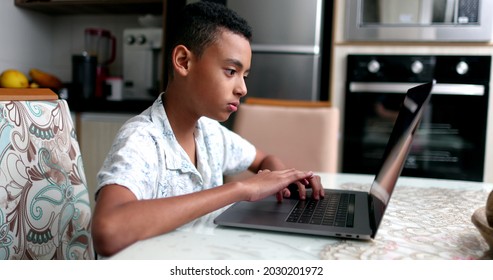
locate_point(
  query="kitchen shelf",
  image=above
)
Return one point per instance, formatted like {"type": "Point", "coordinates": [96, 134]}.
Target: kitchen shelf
{"type": "Point", "coordinates": [68, 7]}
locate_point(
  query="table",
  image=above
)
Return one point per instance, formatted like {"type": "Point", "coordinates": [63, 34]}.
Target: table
{"type": "Point", "coordinates": [426, 219]}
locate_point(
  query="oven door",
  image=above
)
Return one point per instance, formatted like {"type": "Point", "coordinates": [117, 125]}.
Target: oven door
{"type": "Point", "coordinates": [450, 141]}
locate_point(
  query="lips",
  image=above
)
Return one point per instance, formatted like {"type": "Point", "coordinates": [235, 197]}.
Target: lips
{"type": "Point", "coordinates": [233, 106]}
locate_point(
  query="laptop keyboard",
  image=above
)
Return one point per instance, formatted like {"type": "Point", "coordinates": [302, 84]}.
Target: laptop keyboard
{"type": "Point", "coordinates": [335, 209]}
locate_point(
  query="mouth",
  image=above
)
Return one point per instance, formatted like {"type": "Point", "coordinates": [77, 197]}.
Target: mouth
{"type": "Point", "coordinates": [233, 106]}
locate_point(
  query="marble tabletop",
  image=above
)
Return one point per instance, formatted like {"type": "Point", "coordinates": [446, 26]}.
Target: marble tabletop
{"type": "Point", "coordinates": [426, 219]}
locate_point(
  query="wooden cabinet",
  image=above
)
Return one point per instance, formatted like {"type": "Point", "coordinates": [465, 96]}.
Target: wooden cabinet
{"type": "Point", "coordinates": [96, 132]}
{"type": "Point", "coordinates": [64, 7]}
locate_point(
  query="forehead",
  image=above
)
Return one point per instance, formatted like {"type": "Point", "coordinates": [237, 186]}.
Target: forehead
{"type": "Point", "coordinates": [229, 45]}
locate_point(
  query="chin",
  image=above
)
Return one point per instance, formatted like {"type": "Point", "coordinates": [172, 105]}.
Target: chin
{"type": "Point", "coordinates": [221, 117]}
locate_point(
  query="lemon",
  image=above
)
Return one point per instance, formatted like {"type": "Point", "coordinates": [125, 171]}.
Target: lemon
{"type": "Point", "coordinates": [12, 78]}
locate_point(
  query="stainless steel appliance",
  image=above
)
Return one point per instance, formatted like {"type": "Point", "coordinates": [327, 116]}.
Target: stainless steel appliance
{"type": "Point", "coordinates": [142, 63]}
{"type": "Point", "coordinates": [288, 39]}
{"type": "Point", "coordinates": [419, 20]}
{"type": "Point", "coordinates": [451, 140]}
{"type": "Point", "coordinates": [286, 47]}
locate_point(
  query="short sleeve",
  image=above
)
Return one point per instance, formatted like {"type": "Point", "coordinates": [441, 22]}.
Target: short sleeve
{"type": "Point", "coordinates": [131, 160]}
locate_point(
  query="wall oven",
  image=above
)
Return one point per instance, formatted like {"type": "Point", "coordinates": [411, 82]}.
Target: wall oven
{"type": "Point", "coordinates": [451, 139]}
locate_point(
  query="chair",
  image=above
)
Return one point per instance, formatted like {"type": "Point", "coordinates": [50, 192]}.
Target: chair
{"type": "Point", "coordinates": [44, 202]}
{"type": "Point", "coordinates": [304, 134]}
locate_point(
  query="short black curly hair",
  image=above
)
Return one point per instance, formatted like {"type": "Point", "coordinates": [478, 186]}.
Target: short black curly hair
{"type": "Point", "coordinates": [199, 25]}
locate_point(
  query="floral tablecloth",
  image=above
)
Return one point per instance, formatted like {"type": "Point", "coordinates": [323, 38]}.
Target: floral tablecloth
{"type": "Point", "coordinates": [421, 223]}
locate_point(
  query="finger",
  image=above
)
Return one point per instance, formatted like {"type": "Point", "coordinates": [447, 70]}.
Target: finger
{"type": "Point", "coordinates": [279, 196]}
{"type": "Point", "coordinates": [284, 193]}
{"type": "Point", "coordinates": [316, 184]}
{"type": "Point", "coordinates": [300, 176]}
{"type": "Point", "coordinates": [302, 191]}
{"type": "Point", "coordinates": [287, 192]}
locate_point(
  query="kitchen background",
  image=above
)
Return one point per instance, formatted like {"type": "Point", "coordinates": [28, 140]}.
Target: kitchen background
{"type": "Point", "coordinates": [425, 45]}
{"type": "Point", "coordinates": [32, 39]}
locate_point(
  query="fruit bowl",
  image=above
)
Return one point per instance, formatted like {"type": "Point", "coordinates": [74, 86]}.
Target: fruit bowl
{"type": "Point", "coordinates": [482, 218]}
{"type": "Point", "coordinates": [479, 220]}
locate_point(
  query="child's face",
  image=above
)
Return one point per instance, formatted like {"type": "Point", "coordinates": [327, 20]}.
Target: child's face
{"type": "Point", "coordinates": [218, 76]}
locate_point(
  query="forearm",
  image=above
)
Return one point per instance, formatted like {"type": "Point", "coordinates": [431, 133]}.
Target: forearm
{"type": "Point", "coordinates": [115, 228]}
{"type": "Point", "coordinates": [120, 219]}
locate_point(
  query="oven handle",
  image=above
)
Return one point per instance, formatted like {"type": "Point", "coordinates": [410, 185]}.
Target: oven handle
{"type": "Point", "coordinates": [401, 88]}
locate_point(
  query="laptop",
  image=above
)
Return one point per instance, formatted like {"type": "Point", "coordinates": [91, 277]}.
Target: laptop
{"type": "Point", "coordinates": [341, 213]}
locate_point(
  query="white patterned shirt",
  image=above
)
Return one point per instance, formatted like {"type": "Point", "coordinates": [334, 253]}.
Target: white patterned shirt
{"type": "Point", "coordinates": [148, 160]}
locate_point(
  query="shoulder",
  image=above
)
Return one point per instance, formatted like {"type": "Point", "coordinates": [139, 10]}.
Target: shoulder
{"type": "Point", "coordinates": [149, 122]}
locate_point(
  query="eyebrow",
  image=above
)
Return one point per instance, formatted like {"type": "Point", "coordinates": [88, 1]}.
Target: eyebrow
{"type": "Point", "coordinates": [238, 64]}
{"type": "Point", "coordinates": [235, 62]}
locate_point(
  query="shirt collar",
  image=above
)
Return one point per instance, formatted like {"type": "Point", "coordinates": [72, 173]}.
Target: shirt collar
{"type": "Point", "coordinates": [176, 157]}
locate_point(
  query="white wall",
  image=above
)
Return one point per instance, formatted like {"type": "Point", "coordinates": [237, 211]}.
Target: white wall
{"type": "Point", "coordinates": [25, 38]}
{"type": "Point", "coordinates": [30, 39]}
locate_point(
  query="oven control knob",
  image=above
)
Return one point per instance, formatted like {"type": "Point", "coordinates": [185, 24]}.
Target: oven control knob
{"type": "Point", "coordinates": [130, 39]}
{"type": "Point", "coordinates": [417, 67]}
{"type": "Point", "coordinates": [462, 68]}
{"type": "Point", "coordinates": [373, 66]}
{"type": "Point", "coordinates": [141, 39]}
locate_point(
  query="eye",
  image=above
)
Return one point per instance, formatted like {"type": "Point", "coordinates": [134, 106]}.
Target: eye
{"type": "Point", "coordinates": [230, 72]}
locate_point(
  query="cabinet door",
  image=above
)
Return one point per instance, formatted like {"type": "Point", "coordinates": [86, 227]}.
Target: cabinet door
{"type": "Point", "coordinates": [96, 134]}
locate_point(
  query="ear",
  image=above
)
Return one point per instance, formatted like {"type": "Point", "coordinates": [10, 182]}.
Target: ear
{"type": "Point", "coordinates": [181, 59]}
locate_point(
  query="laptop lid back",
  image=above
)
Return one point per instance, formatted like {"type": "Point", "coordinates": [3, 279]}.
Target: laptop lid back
{"type": "Point", "coordinates": [396, 151]}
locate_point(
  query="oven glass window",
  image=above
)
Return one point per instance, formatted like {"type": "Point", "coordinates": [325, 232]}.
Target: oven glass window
{"type": "Point", "coordinates": [450, 141]}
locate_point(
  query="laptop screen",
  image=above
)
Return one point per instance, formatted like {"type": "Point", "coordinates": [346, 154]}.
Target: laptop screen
{"type": "Point", "coordinates": [397, 150]}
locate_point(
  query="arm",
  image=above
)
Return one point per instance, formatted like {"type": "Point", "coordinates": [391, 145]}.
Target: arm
{"type": "Point", "coordinates": [120, 219]}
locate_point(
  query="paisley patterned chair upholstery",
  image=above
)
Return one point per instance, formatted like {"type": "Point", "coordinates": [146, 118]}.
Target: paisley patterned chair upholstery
{"type": "Point", "coordinates": [44, 201]}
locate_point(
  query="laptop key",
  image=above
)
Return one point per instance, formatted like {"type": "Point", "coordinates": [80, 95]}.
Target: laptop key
{"type": "Point", "coordinates": [333, 210]}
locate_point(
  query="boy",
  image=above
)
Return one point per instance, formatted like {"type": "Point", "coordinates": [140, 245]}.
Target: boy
{"type": "Point", "coordinates": [166, 166]}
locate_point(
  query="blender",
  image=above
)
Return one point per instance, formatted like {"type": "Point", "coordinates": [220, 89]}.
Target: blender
{"type": "Point", "coordinates": [101, 44]}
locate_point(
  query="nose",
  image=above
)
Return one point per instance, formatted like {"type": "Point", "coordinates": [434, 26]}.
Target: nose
{"type": "Point", "coordinates": [241, 89]}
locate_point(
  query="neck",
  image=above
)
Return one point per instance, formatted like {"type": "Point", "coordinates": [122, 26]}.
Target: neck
{"type": "Point", "coordinates": [182, 123]}
{"type": "Point", "coordinates": [181, 118]}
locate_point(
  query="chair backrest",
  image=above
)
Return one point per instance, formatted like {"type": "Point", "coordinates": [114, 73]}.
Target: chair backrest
{"type": "Point", "coordinates": [44, 201]}
{"type": "Point", "coordinates": [304, 134]}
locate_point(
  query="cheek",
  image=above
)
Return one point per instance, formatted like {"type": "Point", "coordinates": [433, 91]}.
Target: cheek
{"type": "Point", "coordinates": [216, 82]}
{"type": "Point", "coordinates": [207, 76]}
